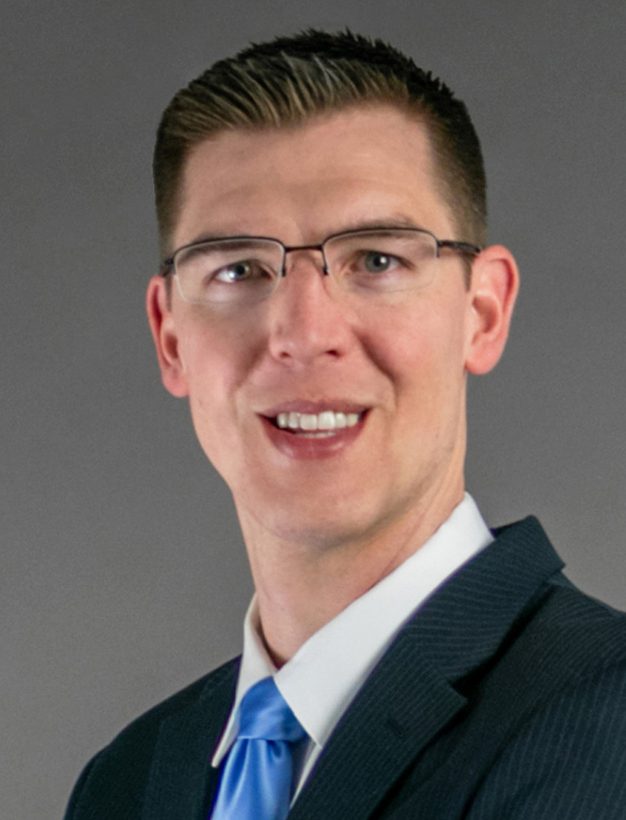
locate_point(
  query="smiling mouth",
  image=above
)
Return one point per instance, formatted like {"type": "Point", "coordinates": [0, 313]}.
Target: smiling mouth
{"type": "Point", "coordinates": [316, 425]}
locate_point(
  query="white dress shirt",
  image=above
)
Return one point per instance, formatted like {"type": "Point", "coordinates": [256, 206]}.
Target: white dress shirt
{"type": "Point", "coordinates": [324, 675]}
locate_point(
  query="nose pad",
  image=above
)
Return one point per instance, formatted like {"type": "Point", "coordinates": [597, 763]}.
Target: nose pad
{"type": "Point", "coordinates": [313, 258]}
{"type": "Point", "coordinates": [305, 252]}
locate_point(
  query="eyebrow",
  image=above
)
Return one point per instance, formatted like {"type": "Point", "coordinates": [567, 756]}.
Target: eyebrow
{"type": "Point", "coordinates": [384, 223]}
{"type": "Point", "coordinates": [394, 221]}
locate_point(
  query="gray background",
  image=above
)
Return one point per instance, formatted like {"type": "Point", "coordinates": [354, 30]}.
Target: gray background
{"type": "Point", "coordinates": [123, 575]}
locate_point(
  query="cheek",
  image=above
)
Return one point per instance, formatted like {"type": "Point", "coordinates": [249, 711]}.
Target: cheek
{"type": "Point", "coordinates": [424, 361]}
{"type": "Point", "coordinates": [214, 414]}
{"type": "Point", "coordinates": [421, 345]}
{"type": "Point", "coordinates": [216, 360]}
{"type": "Point", "coordinates": [214, 355]}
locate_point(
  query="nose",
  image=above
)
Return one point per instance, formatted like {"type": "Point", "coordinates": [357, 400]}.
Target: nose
{"type": "Point", "coordinates": [307, 321]}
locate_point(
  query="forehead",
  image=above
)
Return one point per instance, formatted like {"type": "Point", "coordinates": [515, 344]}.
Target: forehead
{"type": "Point", "coordinates": [304, 182]}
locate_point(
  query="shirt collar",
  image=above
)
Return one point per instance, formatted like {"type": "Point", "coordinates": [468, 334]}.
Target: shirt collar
{"type": "Point", "coordinates": [324, 675]}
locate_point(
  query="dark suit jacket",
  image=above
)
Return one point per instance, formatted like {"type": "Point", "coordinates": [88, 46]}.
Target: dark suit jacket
{"type": "Point", "coordinates": [503, 697]}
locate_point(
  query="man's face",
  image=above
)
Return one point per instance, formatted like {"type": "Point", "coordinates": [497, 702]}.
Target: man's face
{"type": "Point", "coordinates": [399, 362]}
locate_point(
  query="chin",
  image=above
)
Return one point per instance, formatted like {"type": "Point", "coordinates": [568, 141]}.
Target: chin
{"type": "Point", "coordinates": [305, 521]}
{"type": "Point", "coordinates": [320, 535]}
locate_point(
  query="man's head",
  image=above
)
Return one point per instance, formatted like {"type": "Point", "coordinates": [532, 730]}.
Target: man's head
{"type": "Point", "coordinates": [385, 366]}
{"type": "Point", "coordinates": [291, 80]}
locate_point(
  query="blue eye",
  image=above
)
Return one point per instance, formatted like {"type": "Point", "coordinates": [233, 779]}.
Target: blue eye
{"type": "Point", "coordinates": [236, 272]}
{"type": "Point", "coordinates": [377, 262]}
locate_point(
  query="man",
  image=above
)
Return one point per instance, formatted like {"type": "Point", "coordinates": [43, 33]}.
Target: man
{"type": "Point", "coordinates": [325, 292]}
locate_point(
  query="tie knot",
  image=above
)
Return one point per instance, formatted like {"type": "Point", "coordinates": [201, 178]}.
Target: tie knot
{"type": "Point", "coordinates": [264, 714]}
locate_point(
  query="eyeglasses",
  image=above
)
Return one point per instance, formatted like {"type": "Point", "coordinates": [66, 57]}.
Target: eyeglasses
{"type": "Point", "coordinates": [243, 270]}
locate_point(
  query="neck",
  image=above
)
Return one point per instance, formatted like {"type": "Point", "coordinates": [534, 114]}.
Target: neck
{"type": "Point", "coordinates": [302, 586]}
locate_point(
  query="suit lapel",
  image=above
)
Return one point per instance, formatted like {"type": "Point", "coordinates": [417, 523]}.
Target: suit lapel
{"type": "Point", "coordinates": [392, 718]}
{"type": "Point", "coordinates": [411, 695]}
{"type": "Point", "coordinates": [182, 780]}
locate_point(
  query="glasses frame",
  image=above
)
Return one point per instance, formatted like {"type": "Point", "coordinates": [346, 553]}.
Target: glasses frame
{"type": "Point", "coordinates": [168, 266]}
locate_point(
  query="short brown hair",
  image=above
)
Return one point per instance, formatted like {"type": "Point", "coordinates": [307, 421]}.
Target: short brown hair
{"type": "Point", "coordinates": [291, 79]}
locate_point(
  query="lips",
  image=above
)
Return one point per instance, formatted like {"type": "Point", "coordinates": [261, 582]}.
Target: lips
{"type": "Point", "coordinates": [311, 417]}
{"type": "Point", "coordinates": [305, 429]}
{"type": "Point", "coordinates": [326, 421]}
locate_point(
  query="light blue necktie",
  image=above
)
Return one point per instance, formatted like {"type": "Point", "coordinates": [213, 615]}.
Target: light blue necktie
{"type": "Point", "coordinates": [257, 778]}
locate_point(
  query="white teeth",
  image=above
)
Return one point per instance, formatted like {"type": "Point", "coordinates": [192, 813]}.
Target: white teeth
{"type": "Point", "coordinates": [326, 420]}
{"type": "Point", "coordinates": [310, 422]}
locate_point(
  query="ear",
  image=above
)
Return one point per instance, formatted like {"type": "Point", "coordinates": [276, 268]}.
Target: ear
{"type": "Point", "coordinates": [493, 290]}
{"type": "Point", "coordinates": [165, 337]}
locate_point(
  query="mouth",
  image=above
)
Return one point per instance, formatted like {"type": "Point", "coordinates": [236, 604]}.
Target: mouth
{"type": "Point", "coordinates": [325, 424]}
{"type": "Point", "coordinates": [314, 429]}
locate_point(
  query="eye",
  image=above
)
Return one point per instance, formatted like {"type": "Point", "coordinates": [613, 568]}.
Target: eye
{"type": "Point", "coordinates": [243, 271]}
{"type": "Point", "coordinates": [378, 262]}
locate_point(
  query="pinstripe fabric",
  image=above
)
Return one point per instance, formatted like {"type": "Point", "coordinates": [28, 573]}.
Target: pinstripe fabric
{"type": "Point", "coordinates": [575, 740]}
{"type": "Point", "coordinates": [504, 697]}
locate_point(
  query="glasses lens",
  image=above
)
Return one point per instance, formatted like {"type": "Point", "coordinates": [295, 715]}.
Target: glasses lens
{"type": "Point", "coordinates": [382, 261]}
{"type": "Point", "coordinates": [233, 271]}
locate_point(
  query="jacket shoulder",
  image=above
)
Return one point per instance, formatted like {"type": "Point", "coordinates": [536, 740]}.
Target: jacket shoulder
{"type": "Point", "coordinates": [562, 754]}
{"type": "Point", "coordinates": [571, 625]}
{"type": "Point", "coordinates": [142, 729]}
{"type": "Point", "coordinates": [112, 783]}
